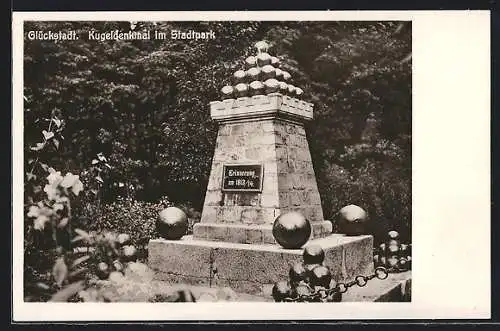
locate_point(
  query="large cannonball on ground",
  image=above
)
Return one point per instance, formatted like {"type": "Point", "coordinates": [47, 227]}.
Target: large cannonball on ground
{"type": "Point", "coordinates": [291, 230]}
{"type": "Point", "coordinates": [172, 223]}
{"type": "Point", "coordinates": [352, 220]}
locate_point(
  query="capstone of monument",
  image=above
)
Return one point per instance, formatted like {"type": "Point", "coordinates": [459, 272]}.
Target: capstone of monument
{"type": "Point", "coordinates": [261, 169]}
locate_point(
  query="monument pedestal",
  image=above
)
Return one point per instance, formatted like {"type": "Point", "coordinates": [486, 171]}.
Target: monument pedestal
{"type": "Point", "coordinates": [252, 268]}
{"type": "Point", "coordinates": [251, 233]}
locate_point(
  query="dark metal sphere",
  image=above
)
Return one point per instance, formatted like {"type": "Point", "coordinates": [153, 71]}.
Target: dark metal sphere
{"type": "Point", "coordinates": [268, 71]}
{"type": "Point", "coordinates": [297, 274]}
{"type": "Point", "coordinates": [352, 220]}
{"type": "Point", "coordinates": [275, 62]}
{"type": "Point", "coordinates": [250, 61]}
{"type": "Point", "coordinates": [102, 270]}
{"type": "Point", "coordinates": [313, 254]}
{"type": "Point", "coordinates": [129, 253]}
{"type": "Point", "coordinates": [227, 92]}
{"type": "Point", "coordinates": [291, 230]}
{"type": "Point", "coordinates": [256, 87]}
{"type": "Point", "coordinates": [279, 73]}
{"type": "Point", "coordinates": [393, 234]}
{"type": "Point", "coordinates": [272, 85]}
{"type": "Point", "coordinates": [392, 261]}
{"type": "Point", "coordinates": [320, 276]}
{"type": "Point", "coordinates": [239, 76]}
{"type": "Point", "coordinates": [403, 263]}
{"type": "Point", "coordinates": [241, 90]}
{"type": "Point", "coordinates": [263, 59]}
{"type": "Point", "coordinates": [281, 290]}
{"type": "Point", "coordinates": [393, 249]}
{"type": "Point", "coordinates": [283, 88]}
{"type": "Point", "coordinates": [172, 223]}
{"type": "Point", "coordinates": [393, 242]}
{"type": "Point", "coordinates": [310, 267]}
{"type": "Point", "coordinates": [301, 290]}
{"type": "Point", "coordinates": [253, 74]}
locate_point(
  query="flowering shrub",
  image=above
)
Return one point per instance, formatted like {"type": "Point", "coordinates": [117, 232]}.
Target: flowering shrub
{"type": "Point", "coordinates": [51, 217]}
{"type": "Point", "coordinates": [56, 208]}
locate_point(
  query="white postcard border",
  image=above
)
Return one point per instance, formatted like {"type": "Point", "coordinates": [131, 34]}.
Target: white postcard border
{"type": "Point", "coordinates": [451, 177]}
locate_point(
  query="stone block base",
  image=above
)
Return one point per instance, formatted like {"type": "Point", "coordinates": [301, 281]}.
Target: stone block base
{"type": "Point", "coordinates": [250, 234]}
{"type": "Point", "coordinates": [252, 268]}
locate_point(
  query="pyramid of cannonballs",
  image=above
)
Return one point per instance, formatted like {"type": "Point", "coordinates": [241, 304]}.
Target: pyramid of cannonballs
{"type": "Point", "coordinates": [261, 75]}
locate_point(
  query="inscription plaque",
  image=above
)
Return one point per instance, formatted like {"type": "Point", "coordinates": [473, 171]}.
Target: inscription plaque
{"type": "Point", "coordinates": [242, 177]}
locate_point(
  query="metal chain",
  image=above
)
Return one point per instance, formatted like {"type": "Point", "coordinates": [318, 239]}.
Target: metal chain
{"type": "Point", "coordinates": [323, 294]}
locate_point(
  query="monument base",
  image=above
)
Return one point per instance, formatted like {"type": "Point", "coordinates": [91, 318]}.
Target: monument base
{"type": "Point", "coordinates": [252, 268]}
{"type": "Point", "coordinates": [250, 234]}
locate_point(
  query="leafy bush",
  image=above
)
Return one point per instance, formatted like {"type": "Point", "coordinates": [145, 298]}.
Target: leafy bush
{"type": "Point", "coordinates": [137, 218]}
{"type": "Point", "coordinates": [127, 215]}
{"type": "Point", "coordinates": [380, 185]}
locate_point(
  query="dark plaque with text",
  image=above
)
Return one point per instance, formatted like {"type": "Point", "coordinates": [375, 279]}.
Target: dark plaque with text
{"type": "Point", "coordinates": [242, 177]}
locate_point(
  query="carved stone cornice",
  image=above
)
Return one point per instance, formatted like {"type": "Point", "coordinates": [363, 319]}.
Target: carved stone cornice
{"type": "Point", "coordinates": [274, 105]}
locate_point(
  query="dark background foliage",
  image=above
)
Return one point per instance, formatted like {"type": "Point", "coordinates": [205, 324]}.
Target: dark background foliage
{"type": "Point", "coordinates": [144, 105]}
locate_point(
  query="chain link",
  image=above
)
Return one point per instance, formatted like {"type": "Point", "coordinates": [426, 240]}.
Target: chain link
{"type": "Point", "coordinates": [323, 294]}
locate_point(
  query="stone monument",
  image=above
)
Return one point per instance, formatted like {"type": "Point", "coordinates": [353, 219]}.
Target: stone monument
{"type": "Point", "coordinates": [261, 168]}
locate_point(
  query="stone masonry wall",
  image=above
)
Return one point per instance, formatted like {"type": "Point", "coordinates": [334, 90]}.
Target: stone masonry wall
{"type": "Point", "coordinates": [298, 189]}
{"type": "Point", "coordinates": [250, 142]}
{"type": "Point", "coordinates": [289, 182]}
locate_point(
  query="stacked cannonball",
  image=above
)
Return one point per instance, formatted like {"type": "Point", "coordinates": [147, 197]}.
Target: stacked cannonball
{"type": "Point", "coordinates": [260, 75]}
{"type": "Point", "coordinates": [307, 277]}
{"type": "Point", "coordinates": [393, 254]}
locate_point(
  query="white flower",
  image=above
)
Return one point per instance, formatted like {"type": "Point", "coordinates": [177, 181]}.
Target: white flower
{"type": "Point", "coordinates": [39, 223]}
{"type": "Point", "coordinates": [53, 193]}
{"type": "Point", "coordinates": [42, 215]}
{"type": "Point", "coordinates": [34, 211]}
{"type": "Point", "coordinates": [77, 186]}
{"type": "Point", "coordinates": [69, 180]}
{"type": "Point", "coordinates": [55, 178]}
